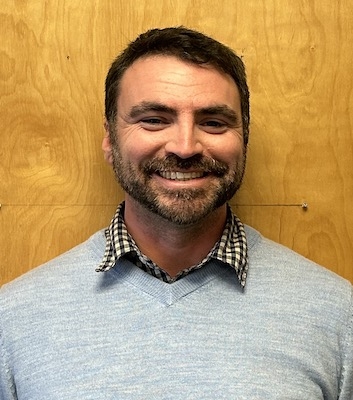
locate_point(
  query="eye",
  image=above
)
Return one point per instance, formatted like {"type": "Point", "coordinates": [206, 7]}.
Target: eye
{"type": "Point", "coordinates": [214, 126]}
{"type": "Point", "coordinates": [153, 123]}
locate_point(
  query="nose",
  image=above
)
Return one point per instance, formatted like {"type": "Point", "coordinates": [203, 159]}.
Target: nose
{"type": "Point", "coordinates": [184, 141]}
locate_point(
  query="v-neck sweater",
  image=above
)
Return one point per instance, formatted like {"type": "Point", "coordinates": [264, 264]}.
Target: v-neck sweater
{"type": "Point", "coordinates": [68, 332]}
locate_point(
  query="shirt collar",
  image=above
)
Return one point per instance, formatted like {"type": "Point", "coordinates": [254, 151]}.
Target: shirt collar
{"type": "Point", "coordinates": [231, 249]}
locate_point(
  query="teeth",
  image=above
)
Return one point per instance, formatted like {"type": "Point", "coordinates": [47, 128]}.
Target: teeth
{"type": "Point", "coordinates": [180, 176]}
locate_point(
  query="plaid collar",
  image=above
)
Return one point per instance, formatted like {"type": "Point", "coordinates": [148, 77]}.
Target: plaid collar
{"type": "Point", "coordinates": [231, 249]}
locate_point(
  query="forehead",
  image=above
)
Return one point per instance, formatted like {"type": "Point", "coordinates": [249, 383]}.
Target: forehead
{"type": "Point", "coordinates": [167, 78]}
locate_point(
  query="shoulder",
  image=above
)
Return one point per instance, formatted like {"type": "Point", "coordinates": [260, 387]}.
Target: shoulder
{"type": "Point", "coordinates": [274, 265]}
{"type": "Point", "coordinates": [303, 293]}
{"type": "Point", "coordinates": [59, 273]}
{"type": "Point", "coordinates": [272, 257]}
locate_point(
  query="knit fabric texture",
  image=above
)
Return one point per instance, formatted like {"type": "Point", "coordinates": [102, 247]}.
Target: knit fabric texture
{"type": "Point", "coordinates": [68, 332]}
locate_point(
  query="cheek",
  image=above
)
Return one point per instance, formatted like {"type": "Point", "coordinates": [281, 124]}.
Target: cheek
{"type": "Point", "coordinates": [142, 146]}
{"type": "Point", "coordinates": [230, 151]}
{"type": "Point", "coordinates": [137, 151]}
{"type": "Point", "coordinates": [133, 144]}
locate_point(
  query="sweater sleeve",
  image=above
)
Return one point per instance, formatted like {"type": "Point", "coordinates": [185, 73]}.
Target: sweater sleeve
{"type": "Point", "coordinates": [346, 384]}
{"type": "Point", "coordinates": [7, 385]}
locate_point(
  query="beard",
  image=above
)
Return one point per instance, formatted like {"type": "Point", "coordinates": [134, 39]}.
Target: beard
{"type": "Point", "coordinates": [184, 206]}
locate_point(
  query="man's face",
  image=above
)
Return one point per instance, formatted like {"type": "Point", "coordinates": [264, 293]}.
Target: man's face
{"type": "Point", "coordinates": [178, 148]}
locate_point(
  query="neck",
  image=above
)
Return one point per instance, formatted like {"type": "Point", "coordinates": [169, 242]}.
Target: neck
{"type": "Point", "coordinates": [171, 246]}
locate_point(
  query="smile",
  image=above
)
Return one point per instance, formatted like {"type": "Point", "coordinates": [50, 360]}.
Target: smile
{"type": "Point", "coordinates": [180, 176]}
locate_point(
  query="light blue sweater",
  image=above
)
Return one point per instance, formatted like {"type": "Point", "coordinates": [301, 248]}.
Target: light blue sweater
{"type": "Point", "coordinates": [68, 332]}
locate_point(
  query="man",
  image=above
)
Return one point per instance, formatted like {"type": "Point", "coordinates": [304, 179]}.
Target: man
{"type": "Point", "coordinates": [188, 303]}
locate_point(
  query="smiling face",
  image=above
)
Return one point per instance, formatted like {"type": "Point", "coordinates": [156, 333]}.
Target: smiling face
{"type": "Point", "coordinates": [177, 146]}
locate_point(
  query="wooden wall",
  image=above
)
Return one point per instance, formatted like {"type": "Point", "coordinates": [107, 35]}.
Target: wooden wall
{"type": "Point", "coordinates": [55, 189]}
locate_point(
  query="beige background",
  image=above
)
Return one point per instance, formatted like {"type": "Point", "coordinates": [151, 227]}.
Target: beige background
{"type": "Point", "coordinates": [55, 189]}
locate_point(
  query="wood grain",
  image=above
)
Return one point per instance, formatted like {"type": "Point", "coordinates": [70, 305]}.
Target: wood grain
{"type": "Point", "coordinates": [54, 186]}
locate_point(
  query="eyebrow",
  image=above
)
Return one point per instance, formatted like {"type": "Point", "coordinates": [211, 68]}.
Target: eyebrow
{"type": "Point", "coordinates": [223, 110]}
{"type": "Point", "coordinates": [148, 106]}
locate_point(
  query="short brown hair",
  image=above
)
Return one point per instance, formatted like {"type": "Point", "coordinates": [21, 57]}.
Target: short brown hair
{"type": "Point", "coordinates": [187, 45]}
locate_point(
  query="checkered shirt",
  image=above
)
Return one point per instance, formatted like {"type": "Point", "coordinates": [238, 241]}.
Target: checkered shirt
{"type": "Point", "coordinates": [231, 249]}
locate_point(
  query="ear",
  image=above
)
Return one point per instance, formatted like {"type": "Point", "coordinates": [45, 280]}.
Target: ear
{"type": "Point", "coordinates": [106, 145]}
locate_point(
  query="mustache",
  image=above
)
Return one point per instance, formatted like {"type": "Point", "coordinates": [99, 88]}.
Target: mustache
{"type": "Point", "coordinates": [197, 162]}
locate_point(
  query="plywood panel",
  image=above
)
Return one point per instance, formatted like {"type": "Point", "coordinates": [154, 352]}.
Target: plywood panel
{"type": "Point", "coordinates": [53, 59]}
